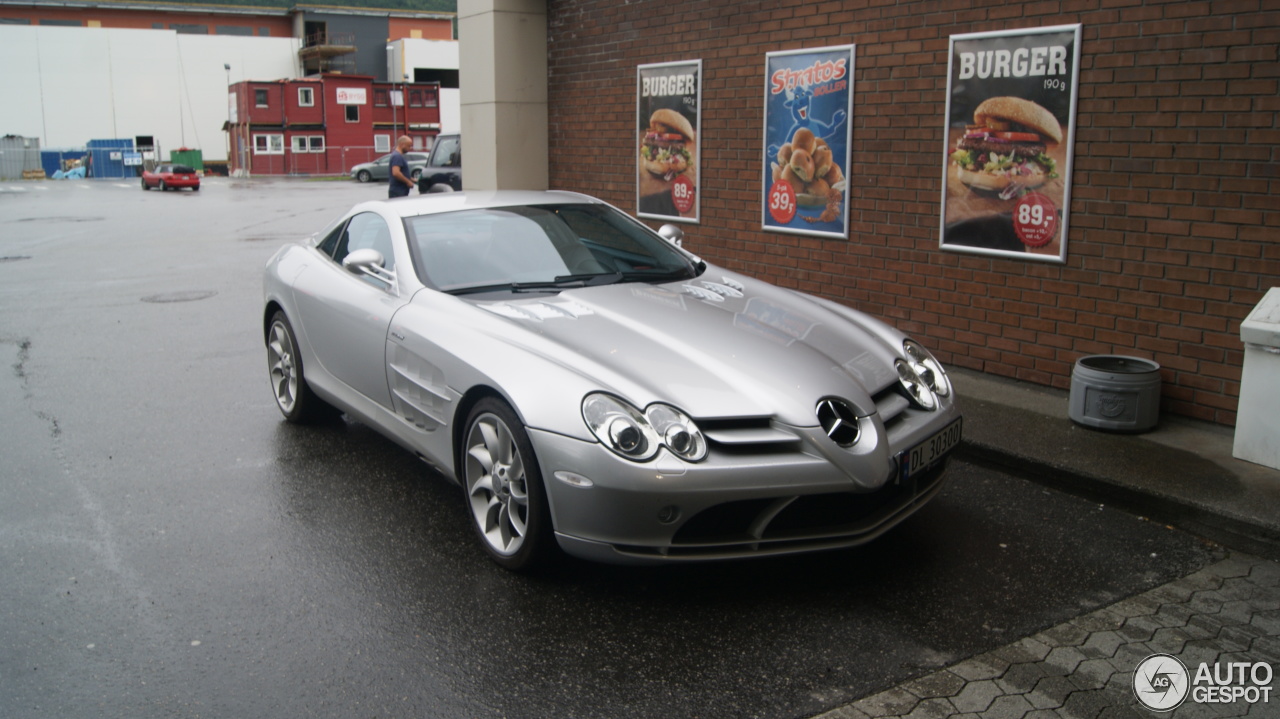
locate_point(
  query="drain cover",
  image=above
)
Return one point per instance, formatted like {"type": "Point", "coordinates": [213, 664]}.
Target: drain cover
{"type": "Point", "coordinates": [188, 296]}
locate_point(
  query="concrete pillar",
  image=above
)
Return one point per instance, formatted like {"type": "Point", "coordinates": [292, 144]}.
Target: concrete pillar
{"type": "Point", "coordinates": [503, 78]}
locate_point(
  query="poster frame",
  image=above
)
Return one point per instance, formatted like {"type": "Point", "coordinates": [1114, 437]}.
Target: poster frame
{"type": "Point", "coordinates": [642, 122]}
{"type": "Point", "coordinates": [1066, 169]}
{"type": "Point", "coordinates": [767, 182]}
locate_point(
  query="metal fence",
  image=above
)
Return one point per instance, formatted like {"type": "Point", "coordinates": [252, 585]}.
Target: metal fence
{"type": "Point", "coordinates": [332, 161]}
{"type": "Point", "coordinates": [18, 155]}
{"type": "Point", "coordinates": [22, 158]}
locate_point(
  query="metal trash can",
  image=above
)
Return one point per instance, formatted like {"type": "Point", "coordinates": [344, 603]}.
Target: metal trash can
{"type": "Point", "coordinates": [1116, 393]}
{"type": "Point", "coordinates": [1258, 419]}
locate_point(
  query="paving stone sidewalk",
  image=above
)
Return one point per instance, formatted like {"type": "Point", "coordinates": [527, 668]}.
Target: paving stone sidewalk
{"type": "Point", "coordinates": [1083, 668]}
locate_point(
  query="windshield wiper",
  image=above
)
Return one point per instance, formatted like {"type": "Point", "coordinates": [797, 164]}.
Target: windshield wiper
{"type": "Point", "coordinates": [562, 282]}
{"type": "Point", "coordinates": [568, 282]}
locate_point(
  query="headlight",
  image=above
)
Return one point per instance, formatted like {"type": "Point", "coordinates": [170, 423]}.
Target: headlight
{"type": "Point", "coordinates": [679, 434]}
{"type": "Point", "coordinates": [639, 435]}
{"type": "Point", "coordinates": [922, 376]}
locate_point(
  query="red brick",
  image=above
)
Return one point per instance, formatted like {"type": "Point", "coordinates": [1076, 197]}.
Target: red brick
{"type": "Point", "coordinates": [1167, 163]}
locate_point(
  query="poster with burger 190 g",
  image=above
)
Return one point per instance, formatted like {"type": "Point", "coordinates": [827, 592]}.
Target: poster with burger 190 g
{"type": "Point", "coordinates": [668, 98]}
{"type": "Point", "coordinates": [1011, 107]}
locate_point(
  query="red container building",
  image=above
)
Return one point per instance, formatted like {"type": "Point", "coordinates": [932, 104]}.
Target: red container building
{"type": "Point", "coordinates": [324, 125]}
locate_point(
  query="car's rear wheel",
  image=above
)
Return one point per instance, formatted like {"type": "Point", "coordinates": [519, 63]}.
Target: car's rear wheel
{"type": "Point", "coordinates": [293, 396]}
{"type": "Point", "coordinates": [364, 176]}
{"type": "Point", "coordinates": [163, 186]}
{"type": "Point", "coordinates": [504, 490]}
{"type": "Point", "coordinates": [415, 174]}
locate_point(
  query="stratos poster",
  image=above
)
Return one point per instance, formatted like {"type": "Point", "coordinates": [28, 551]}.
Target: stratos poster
{"type": "Point", "coordinates": [668, 114]}
{"type": "Point", "coordinates": [808, 99]}
{"type": "Point", "coordinates": [1011, 108]}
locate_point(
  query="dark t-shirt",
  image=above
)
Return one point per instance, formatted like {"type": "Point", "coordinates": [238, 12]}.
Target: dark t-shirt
{"type": "Point", "coordinates": [396, 188]}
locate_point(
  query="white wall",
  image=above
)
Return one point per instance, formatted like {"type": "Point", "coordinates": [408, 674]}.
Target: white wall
{"type": "Point", "coordinates": [435, 55]}
{"type": "Point", "coordinates": [69, 85]}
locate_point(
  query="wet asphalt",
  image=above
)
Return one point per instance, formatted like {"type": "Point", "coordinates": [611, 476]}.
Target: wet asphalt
{"type": "Point", "coordinates": [169, 547]}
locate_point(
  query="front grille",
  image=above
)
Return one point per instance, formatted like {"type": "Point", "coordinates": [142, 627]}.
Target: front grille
{"type": "Point", "coordinates": [750, 435]}
{"type": "Point", "coordinates": [891, 404]}
{"type": "Point", "coordinates": [749, 525]}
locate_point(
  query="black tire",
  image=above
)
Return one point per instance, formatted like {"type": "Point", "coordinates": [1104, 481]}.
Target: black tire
{"type": "Point", "coordinates": [415, 174]}
{"type": "Point", "coordinates": [163, 187]}
{"type": "Point", "coordinates": [289, 385]}
{"type": "Point", "coordinates": [195, 188]}
{"type": "Point", "coordinates": [145, 186]}
{"type": "Point", "coordinates": [364, 176]}
{"type": "Point", "coordinates": [503, 490]}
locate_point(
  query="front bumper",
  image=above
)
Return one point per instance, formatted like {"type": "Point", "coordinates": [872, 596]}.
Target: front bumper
{"type": "Point", "coordinates": [733, 504]}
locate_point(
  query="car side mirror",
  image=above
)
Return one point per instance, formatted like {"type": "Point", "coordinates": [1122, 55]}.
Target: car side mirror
{"type": "Point", "coordinates": [672, 234]}
{"type": "Point", "coordinates": [369, 261]}
{"type": "Point", "coordinates": [363, 261]}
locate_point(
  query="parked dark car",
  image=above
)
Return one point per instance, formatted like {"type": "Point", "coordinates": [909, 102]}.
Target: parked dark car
{"type": "Point", "coordinates": [443, 172]}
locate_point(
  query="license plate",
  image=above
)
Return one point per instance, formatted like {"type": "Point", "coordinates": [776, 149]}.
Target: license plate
{"type": "Point", "coordinates": [929, 452]}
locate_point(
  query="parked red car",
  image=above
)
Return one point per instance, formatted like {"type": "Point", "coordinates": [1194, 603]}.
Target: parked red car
{"type": "Point", "coordinates": [168, 175]}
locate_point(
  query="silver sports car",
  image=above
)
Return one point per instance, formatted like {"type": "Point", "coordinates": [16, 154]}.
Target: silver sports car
{"type": "Point", "coordinates": [593, 386]}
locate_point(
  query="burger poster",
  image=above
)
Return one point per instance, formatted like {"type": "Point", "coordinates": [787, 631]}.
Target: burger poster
{"type": "Point", "coordinates": [1011, 107]}
{"type": "Point", "coordinates": [807, 103]}
{"type": "Point", "coordinates": [668, 108]}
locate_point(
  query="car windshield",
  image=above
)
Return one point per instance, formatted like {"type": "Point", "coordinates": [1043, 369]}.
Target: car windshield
{"type": "Point", "coordinates": [540, 248]}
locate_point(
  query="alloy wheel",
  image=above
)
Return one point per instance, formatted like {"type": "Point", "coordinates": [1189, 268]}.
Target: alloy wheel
{"type": "Point", "coordinates": [497, 484]}
{"type": "Point", "coordinates": [283, 367]}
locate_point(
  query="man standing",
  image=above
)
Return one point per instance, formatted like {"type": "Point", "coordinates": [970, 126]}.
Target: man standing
{"type": "Point", "coordinates": [400, 182]}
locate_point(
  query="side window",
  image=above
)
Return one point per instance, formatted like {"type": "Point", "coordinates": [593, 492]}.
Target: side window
{"type": "Point", "coordinates": [366, 231]}
{"type": "Point", "coordinates": [333, 239]}
{"type": "Point", "coordinates": [447, 153]}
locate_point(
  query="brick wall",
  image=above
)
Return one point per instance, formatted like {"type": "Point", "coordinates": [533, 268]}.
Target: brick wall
{"type": "Point", "coordinates": [1175, 213]}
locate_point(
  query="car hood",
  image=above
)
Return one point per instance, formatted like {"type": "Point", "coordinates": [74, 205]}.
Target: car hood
{"type": "Point", "coordinates": [718, 346]}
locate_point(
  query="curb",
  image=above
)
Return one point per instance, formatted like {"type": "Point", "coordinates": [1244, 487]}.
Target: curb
{"type": "Point", "coordinates": [1207, 522]}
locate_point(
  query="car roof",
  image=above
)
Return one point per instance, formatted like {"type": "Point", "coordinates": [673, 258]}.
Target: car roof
{"type": "Point", "coordinates": [437, 202]}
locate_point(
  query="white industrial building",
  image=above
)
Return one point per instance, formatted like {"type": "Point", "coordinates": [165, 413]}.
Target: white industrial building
{"type": "Point", "coordinates": [68, 85]}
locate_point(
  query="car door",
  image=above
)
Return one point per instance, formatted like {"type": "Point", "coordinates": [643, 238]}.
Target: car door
{"type": "Point", "coordinates": [344, 315]}
{"type": "Point", "coordinates": [445, 165]}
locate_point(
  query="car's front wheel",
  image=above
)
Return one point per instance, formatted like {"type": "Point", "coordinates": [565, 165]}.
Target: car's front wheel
{"type": "Point", "coordinates": [293, 396]}
{"type": "Point", "coordinates": [163, 186]}
{"type": "Point", "coordinates": [145, 186]}
{"type": "Point", "coordinates": [504, 489]}
{"type": "Point", "coordinates": [364, 176]}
